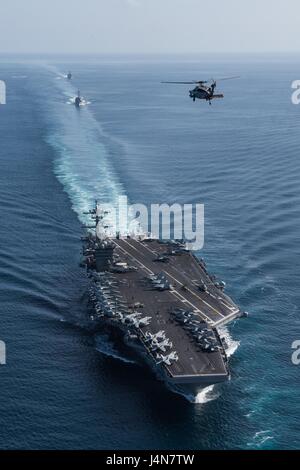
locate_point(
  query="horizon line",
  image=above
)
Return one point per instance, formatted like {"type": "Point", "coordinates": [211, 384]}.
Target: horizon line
{"type": "Point", "coordinates": [14, 53]}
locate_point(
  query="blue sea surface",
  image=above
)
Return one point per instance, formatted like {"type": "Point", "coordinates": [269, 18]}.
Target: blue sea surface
{"type": "Point", "coordinates": [67, 386]}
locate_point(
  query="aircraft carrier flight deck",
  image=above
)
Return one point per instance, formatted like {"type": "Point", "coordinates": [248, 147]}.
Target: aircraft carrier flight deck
{"type": "Point", "coordinates": [162, 297]}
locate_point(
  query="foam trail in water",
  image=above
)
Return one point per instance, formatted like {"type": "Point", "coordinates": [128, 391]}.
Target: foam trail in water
{"type": "Point", "coordinates": [206, 395]}
{"type": "Point", "coordinates": [260, 438]}
{"type": "Point", "coordinates": [83, 162]}
{"type": "Point", "coordinates": [232, 345]}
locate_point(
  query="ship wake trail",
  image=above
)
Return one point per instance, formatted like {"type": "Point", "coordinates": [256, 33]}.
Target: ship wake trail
{"type": "Point", "coordinates": [232, 345]}
{"type": "Point", "coordinates": [206, 395]}
{"type": "Point", "coordinates": [209, 393]}
{"type": "Point", "coordinates": [82, 162]}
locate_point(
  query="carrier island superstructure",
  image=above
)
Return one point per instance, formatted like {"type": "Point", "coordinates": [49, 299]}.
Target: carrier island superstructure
{"type": "Point", "coordinates": [163, 300]}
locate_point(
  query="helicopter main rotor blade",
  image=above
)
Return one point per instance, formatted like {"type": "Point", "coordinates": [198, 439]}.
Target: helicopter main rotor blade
{"type": "Point", "coordinates": [201, 82]}
{"type": "Point", "coordinates": [182, 83]}
{"type": "Point", "coordinates": [226, 78]}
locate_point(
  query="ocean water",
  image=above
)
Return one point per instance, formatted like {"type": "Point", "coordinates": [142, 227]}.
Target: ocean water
{"type": "Point", "coordinates": [67, 386]}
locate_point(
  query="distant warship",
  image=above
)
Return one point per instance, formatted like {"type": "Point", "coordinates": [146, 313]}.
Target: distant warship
{"type": "Point", "coordinates": [78, 100]}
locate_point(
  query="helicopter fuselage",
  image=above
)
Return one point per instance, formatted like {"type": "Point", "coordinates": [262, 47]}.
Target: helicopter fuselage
{"type": "Point", "coordinates": [203, 93]}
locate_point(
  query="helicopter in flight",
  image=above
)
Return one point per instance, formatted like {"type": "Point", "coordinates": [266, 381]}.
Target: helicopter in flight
{"type": "Point", "coordinates": [204, 89]}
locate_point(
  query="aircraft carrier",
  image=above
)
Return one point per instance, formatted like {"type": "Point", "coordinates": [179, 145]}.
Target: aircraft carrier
{"type": "Point", "coordinates": [164, 301]}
